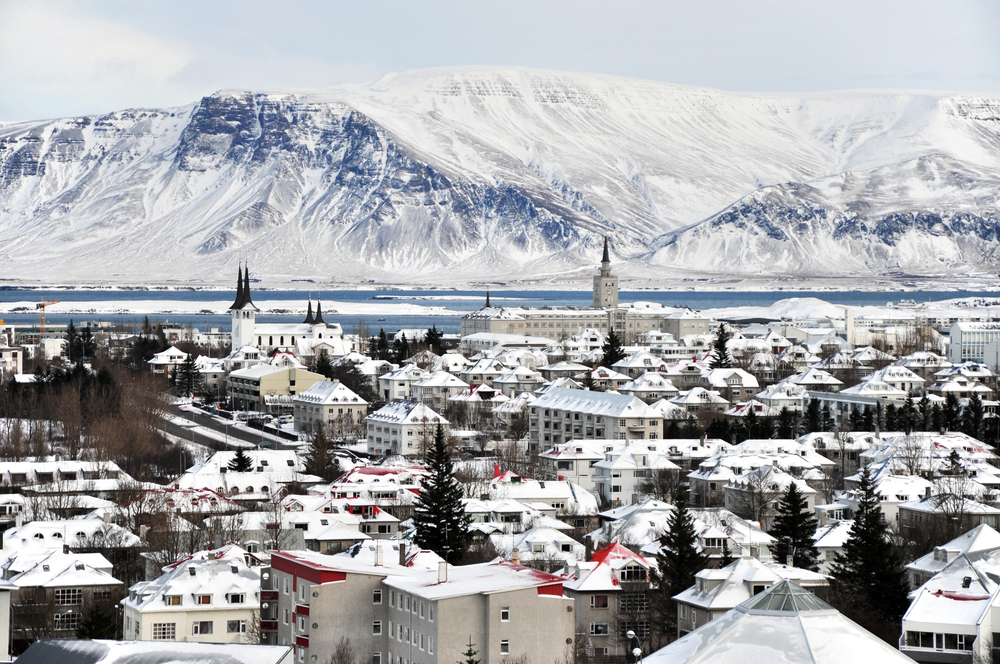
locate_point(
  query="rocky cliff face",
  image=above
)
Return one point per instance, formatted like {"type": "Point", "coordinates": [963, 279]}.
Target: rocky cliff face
{"type": "Point", "coordinates": [464, 175]}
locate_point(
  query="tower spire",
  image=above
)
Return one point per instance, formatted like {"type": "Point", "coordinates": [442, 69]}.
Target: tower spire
{"type": "Point", "coordinates": [606, 258]}
{"type": "Point", "coordinates": [318, 320]}
{"type": "Point", "coordinates": [246, 287]}
{"type": "Point", "coordinates": [487, 298]}
{"type": "Point", "coordinates": [309, 312]}
{"type": "Point", "coordinates": [238, 302]}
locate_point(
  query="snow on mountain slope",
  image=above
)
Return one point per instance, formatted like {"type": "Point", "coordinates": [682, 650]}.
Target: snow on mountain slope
{"type": "Point", "coordinates": [466, 174]}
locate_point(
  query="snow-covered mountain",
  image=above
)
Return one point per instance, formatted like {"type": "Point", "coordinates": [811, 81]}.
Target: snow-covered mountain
{"type": "Point", "coordinates": [466, 174]}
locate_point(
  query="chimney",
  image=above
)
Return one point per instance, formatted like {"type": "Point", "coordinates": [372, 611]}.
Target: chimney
{"type": "Point", "coordinates": [217, 542]}
{"type": "Point", "coordinates": [703, 437]}
{"type": "Point", "coordinates": [496, 470]}
{"type": "Point", "coordinates": [588, 542]}
{"type": "Point", "coordinates": [789, 560]}
{"type": "Point", "coordinates": [442, 572]}
{"type": "Point", "coordinates": [822, 518]}
{"type": "Point", "coordinates": [378, 555]}
{"type": "Point", "coordinates": [536, 522]}
{"type": "Point", "coordinates": [927, 493]}
{"type": "Point", "coordinates": [402, 554]}
{"type": "Point", "coordinates": [516, 556]}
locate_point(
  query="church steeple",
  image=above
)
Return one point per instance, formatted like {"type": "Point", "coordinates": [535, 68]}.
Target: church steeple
{"type": "Point", "coordinates": [318, 320]}
{"type": "Point", "coordinates": [606, 260]}
{"type": "Point", "coordinates": [309, 312]}
{"type": "Point", "coordinates": [246, 287]}
{"type": "Point", "coordinates": [487, 298]}
{"type": "Point", "coordinates": [238, 302]}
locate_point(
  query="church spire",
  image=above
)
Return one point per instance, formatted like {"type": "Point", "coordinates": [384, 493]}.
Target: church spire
{"type": "Point", "coordinates": [246, 287]}
{"type": "Point", "coordinates": [606, 258]}
{"type": "Point", "coordinates": [309, 312]}
{"type": "Point", "coordinates": [318, 320]}
{"type": "Point", "coordinates": [487, 298]}
{"type": "Point", "coordinates": [238, 302]}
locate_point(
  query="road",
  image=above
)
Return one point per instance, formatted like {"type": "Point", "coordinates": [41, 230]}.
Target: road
{"type": "Point", "coordinates": [252, 437]}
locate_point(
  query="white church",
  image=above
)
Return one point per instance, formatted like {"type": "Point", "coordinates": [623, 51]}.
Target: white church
{"type": "Point", "coordinates": [306, 339]}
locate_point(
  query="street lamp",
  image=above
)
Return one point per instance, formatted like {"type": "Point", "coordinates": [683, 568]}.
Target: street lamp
{"type": "Point", "coordinates": [637, 651]}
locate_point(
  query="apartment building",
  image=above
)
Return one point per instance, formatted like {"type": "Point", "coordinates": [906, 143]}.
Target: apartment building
{"type": "Point", "coordinates": [402, 427]}
{"type": "Point", "coordinates": [332, 404]}
{"type": "Point", "coordinates": [263, 387]}
{"type": "Point", "coordinates": [564, 414]}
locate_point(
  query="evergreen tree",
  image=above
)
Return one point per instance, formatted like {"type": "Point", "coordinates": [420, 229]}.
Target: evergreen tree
{"type": "Point", "coordinates": [727, 554]}
{"type": "Point", "coordinates": [98, 623]}
{"type": "Point", "coordinates": [381, 347]}
{"type": "Point", "coordinates": [855, 420]}
{"type": "Point", "coordinates": [439, 515]}
{"type": "Point", "coordinates": [721, 359]}
{"type": "Point", "coordinates": [400, 349]}
{"type": "Point", "coordinates": [433, 339]}
{"type": "Point", "coordinates": [677, 561]}
{"type": "Point", "coordinates": [87, 343]}
{"type": "Point", "coordinates": [926, 414]}
{"type": "Point", "coordinates": [952, 413]}
{"type": "Point", "coordinates": [868, 419]}
{"type": "Point", "coordinates": [72, 342]}
{"type": "Point", "coordinates": [880, 416]}
{"type": "Point", "coordinates": [786, 423]}
{"type": "Point", "coordinates": [825, 421]}
{"type": "Point", "coordinates": [589, 383]}
{"type": "Point", "coordinates": [187, 378]}
{"type": "Point", "coordinates": [241, 462]}
{"type": "Point", "coordinates": [891, 418]}
{"type": "Point", "coordinates": [908, 416]}
{"type": "Point", "coordinates": [812, 421]}
{"type": "Point", "coordinates": [751, 425]}
{"type": "Point", "coordinates": [612, 349]}
{"type": "Point", "coordinates": [937, 418]}
{"type": "Point", "coordinates": [319, 458]}
{"type": "Point", "coordinates": [794, 529]}
{"type": "Point", "coordinates": [972, 417]}
{"type": "Point", "coordinates": [868, 579]}
{"type": "Point", "coordinates": [470, 654]}
{"type": "Point", "coordinates": [324, 366]}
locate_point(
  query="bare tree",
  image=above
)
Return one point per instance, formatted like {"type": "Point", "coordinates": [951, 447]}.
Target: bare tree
{"type": "Point", "coordinates": [753, 496]}
{"type": "Point", "coordinates": [344, 653]}
{"type": "Point", "coordinates": [910, 454]}
{"type": "Point", "coordinates": [662, 484]}
{"type": "Point", "coordinates": [254, 633]}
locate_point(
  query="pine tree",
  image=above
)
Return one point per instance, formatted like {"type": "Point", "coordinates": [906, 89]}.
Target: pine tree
{"type": "Point", "coordinates": [323, 366]}
{"type": "Point", "coordinates": [825, 421]}
{"type": "Point", "coordinates": [439, 516]}
{"type": "Point", "coordinates": [812, 416]}
{"type": "Point", "coordinates": [470, 654]}
{"type": "Point", "coordinates": [727, 554]}
{"type": "Point", "coordinates": [952, 412]}
{"type": "Point", "coordinates": [972, 417]}
{"type": "Point", "coordinates": [382, 346]}
{"type": "Point", "coordinates": [319, 458]}
{"type": "Point", "coordinates": [588, 381]}
{"type": "Point", "coordinates": [908, 417]}
{"type": "Point", "coordinates": [891, 417]}
{"type": "Point", "coordinates": [433, 339]}
{"type": "Point", "coordinates": [72, 342]}
{"type": "Point", "coordinates": [868, 578]}
{"type": "Point", "coordinates": [97, 623]}
{"type": "Point", "coordinates": [187, 378]}
{"type": "Point", "coordinates": [721, 359]}
{"type": "Point", "coordinates": [926, 414]}
{"type": "Point", "coordinates": [241, 462]}
{"type": "Point", "coordinates": [400, 349]}
{"type": "Point", "coordinates": [868, 419]}
{"type": "Point", "coordinates": [794, 528]}
{"type": "Point", "coordinates": [612, 349]}
{"type": "Point", "coordinates": [677, 561]}
{"type": "Point", "coordinates": [856, 421]}
{"type": "Point", "coordinates": [786, 424]}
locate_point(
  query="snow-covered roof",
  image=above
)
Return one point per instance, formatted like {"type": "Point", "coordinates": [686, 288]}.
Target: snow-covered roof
{"type": "Point", "coordinates": [594, 403]}
{"type": "Point", "coordinates": [98, 651]}
{"type": "Point", "coordinates": [60, 570]}
{"type": "Point", "coordinates": [401, 411]}
{"type": "Point", "coordinates": [329, 392]}
{"type": "Point", "coordinates": [482, 579]}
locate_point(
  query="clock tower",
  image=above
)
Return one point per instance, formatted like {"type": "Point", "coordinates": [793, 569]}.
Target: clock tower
{"type": "Point", "coordinates": [605, 284]}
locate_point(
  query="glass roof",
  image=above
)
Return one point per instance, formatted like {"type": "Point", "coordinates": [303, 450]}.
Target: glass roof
{"type": "Point", "coordinates": [786, 596]}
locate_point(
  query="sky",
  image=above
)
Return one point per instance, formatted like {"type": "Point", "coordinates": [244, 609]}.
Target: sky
{"type": "Point", "coordinates": [89, 56]}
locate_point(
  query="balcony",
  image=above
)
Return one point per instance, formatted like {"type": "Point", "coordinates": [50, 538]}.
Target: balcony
{"type": "Point", "coordinates": [269, 595]}
{"type": "Point", "coordinates": [269, 625]}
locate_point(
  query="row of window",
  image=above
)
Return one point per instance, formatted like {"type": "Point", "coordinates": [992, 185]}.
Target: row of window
{"type": "Point", "coordinates": [404, 603]}
{"type": "Point", "coordinates": [231, 598]}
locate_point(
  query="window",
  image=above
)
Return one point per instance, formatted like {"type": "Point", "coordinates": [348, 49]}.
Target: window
{"type": "Point", "coordinates": [392, 598]}
{"type": "Point", "coordinates": [505, 614]}
{"type": "Point", "coordinates": [376, 658]}
{"type": "Point", "coordinates": [633, 603]}
{"type": "Point", "coordinates": [237, 598]}
{"type": "Point", "coordinates": [164, 631]}
{"type": "Point", "coordinates": [430, 612]}
{"type": "Point", "coordinates": [377, 627]}
{"type": "Point", "coordinates": [599, 629]}
{"type": "Point", "coordinates": [421, 609]}
{"type": "Point", "coordinates": [67, 621]}
{"type": "Point", "coordinates": [286, 617]}
{"type": "Point", "coordinates": [505, 647]}
{"type": "Point", "coordinates": [430, 646]}
{"type": "Point", "coordinates": [598, 601]}
{"type": "Point", "coordinates": [633, 573]}
{"type": "Point", "coordinates": [203, 627]}
{"type": "Point", "coordinates": [376, 597]}
{"type": "Point", "coordinates": [236, 626]}
{"type": "Point", "coordinates": [203, 599]}
{"type": "Point", "coordinates": [286, 586]}
{"type": "Point", "coordinates": [566, 548]}
{"type": "Point", "coordinates": [69, 596]}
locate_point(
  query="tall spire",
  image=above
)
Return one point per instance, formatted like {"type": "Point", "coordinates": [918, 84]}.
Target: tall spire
{"type": "Point", "coordinates": [606, 258]}
{"type": "Point", "coordinates": [487, 298]}
{"type": "Point", "coordinates": [318, 320]}
{"type": "Point", "coordinates": [309, 312]}
{"type": "Point", "coordinates": [238, 302]}
{"type": "Point", "coordinates": [246, 287]}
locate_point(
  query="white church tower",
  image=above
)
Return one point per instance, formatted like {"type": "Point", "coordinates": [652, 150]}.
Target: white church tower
{"type": "Point", "coordinates": [605, 284]}
{"type": "Point", "coordinates": [244, 312]}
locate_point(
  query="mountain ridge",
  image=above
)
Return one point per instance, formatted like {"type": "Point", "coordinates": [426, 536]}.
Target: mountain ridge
{"type": "Point", "coordinates": [474, 173]}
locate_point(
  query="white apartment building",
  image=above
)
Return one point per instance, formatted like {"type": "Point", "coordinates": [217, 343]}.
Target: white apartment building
{"type": "Point", "coordinates": [398, 383]}
{"type": "Point", "coordinates": [621, 473]}
{"type": "Point", "coordinates": [333, 405]}
{"type": "Point", "coordinates": [210, 596]}
{"type": "Point", "coordinates": [403, 427]}
{"type": "Point", "coordinates": [563, 414]}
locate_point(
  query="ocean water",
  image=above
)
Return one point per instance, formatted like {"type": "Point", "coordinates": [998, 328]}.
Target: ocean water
{"type": "Point", "coordinates": [453, 300]}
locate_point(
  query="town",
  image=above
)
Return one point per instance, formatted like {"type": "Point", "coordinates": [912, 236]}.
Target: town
{"type": "Point", "coordinates": [581, 484]}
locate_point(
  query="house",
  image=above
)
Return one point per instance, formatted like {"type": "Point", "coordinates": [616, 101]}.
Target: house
{"type": "Point", "coordinates": [483, 371]}
{"type": "Point", "coordinates": [785, 623]}
{"type": "Point", "coordinates": [699, 400]}
{"type": "Point", "coordinates": [166, 362]}
{"type": "Point", "coordinates": [731, 384]}
{"type": "Point", "coordinates": [900, 378]}
{"type": "Point", "coordinates": [639, 363]}
{"type": "Point", "coordinates": [829, 541]}
{"type": "Point", "coordinates": [574, 461]}
{"type": "Point", "coordinates": [610, 592]}
{"type": "Point", "coordinates": [565, 498]}
{"type": "Point", "coordinates": [980, 542]}
{"type": "Point", "coordinates": [434, 389]}
{"type": "Point", "coordinates": [544, 548]}
{"type": "Point", "coordinates": [650, 387]}
{"type": "Point", "coordinates": [332, 404]}
{"type": "Point", "coordinates": [11, 361]}
{"type": "Point", "coordinates": [209, 597]}
{"type": "Point", "coordinates": [512, 382]}
{"type": "Point", "coordinates": [947, 512]}
{"type": "Point", "coordinates": [55, 590]}
{"type": "Point", "coordinates": [402, 427]}
{"type": "Point", "coordinates": [398, 383]}
{"type": "Point", "coordinates": [717, 591]}
{"type": "Point", "coordinates": [755, 495]}
{"type": "Point", "coordinates": [620, 475]}
{"type": "Point", "coordinates": [603, 378]}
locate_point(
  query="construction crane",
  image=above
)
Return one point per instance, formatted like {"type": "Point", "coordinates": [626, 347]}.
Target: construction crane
{"type": "Point", "coordinates": [41, 312]}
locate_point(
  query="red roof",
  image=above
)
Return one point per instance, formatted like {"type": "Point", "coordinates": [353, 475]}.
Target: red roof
{"type": "Point", "coordinates": [614, 551]}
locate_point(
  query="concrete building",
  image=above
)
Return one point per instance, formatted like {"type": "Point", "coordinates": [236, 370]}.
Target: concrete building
{"type": "Point", "coordinates": [11, 360]}
{"type": "Point", "coordinates": [969, 341]}
{"type": "Point", "coordinates": [266, 388]}
{"type": "Point", "coordinates": [334, 405]}
{"type": "Point", "coordinates": [621, 473]}
{"type": "Point", "coordinates": [402, 427]}
{"type": "Point", "coordinates": [564, 414]}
